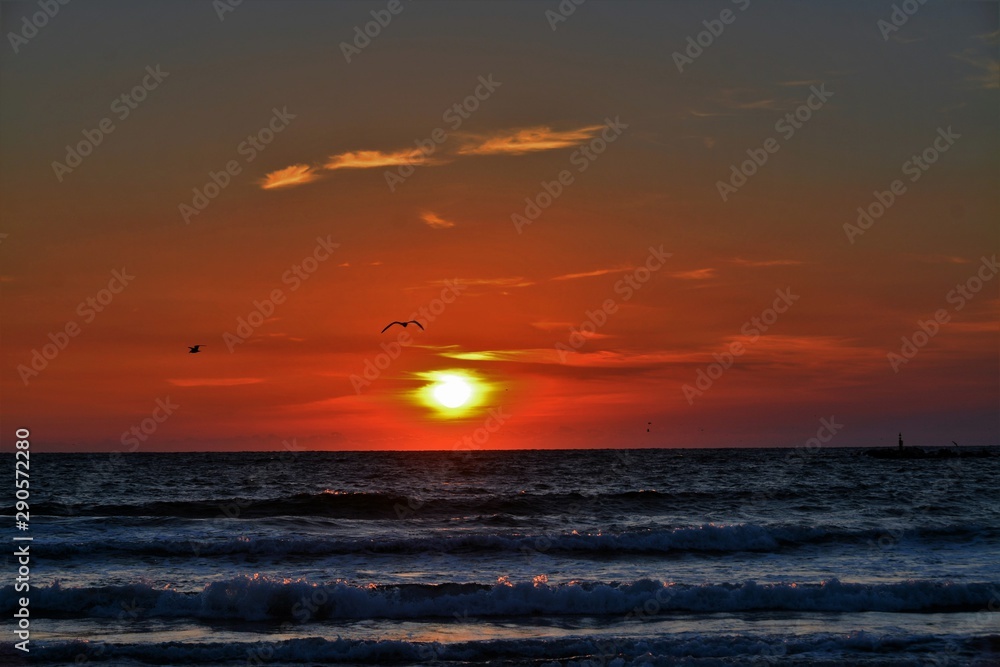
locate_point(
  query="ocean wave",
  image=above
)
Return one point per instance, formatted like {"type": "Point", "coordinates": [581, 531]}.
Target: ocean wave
{"type": "Point", "coordinates": [706, 538]}
{"type": "Point", "coordinates": [383, 505]}
{"type": "Point", "coordinates": [258, 598]}
{"type": "Point", "coordinates": [858, 648]}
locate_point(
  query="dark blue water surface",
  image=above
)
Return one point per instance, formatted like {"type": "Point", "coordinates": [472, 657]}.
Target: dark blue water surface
{"type": "Point", "coordinates": [673, 557]}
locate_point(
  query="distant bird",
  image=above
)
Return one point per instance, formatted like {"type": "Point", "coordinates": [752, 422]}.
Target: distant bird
{"type": "Point", "coordinates": [954, 443]}
{"type": "Point", "coordinates": [194, 349]}
{"type": "Point", "coordinates": [403, 324]}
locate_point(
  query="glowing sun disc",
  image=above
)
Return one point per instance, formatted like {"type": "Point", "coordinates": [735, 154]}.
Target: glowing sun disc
{"type": "Point", "coordinates": [452, 391]}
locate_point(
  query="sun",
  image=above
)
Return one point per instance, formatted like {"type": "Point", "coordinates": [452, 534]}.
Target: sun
{"type": "Point", "coordinates": [452, 391]}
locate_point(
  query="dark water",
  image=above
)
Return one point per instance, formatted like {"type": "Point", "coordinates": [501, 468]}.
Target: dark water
{"type": "Point", "coordinates": [682, 557]}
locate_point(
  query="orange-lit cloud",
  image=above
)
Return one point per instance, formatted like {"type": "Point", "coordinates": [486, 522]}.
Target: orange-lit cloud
{"type": "Point", "coordinates": [764, 262]}
{"type": "Point", "coordinates": [515, 281]}
{"type": "Point", "coordinates": [297, 174]}
{"type": "Point", "coordinates": [599, 358]}
{"type": "Point", "coordinates": [526, 140]}
{"type": "Point", "coordinates": [371, 159]}
{"type": "Point", "coordinates": [436, 221]}
{"type": "Point", "coordinates": [589, 274]}
{"type": "Point", "coordinates": [695, 274]}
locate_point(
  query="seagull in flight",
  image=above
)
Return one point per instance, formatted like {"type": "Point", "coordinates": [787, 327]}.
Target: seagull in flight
{"type": "Point", "coordinates": [403, 324]}
{"type": "Point", "coordinates": [194, 349]}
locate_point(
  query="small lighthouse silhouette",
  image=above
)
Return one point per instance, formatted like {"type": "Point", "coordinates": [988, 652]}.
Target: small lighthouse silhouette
{"type": "Point", "coordinates": [900, 440]}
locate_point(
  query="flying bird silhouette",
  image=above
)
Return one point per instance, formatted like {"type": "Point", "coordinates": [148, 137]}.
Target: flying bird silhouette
{"type": "Point", "coordinates": [403, 324]}
{"type": "Point", "coordinates": [194, 349]}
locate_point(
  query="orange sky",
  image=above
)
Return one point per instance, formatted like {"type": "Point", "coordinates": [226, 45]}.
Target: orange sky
{"type": "Point", "coordinates": [309, 148]}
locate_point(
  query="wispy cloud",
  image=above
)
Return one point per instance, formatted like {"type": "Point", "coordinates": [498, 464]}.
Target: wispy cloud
{"type": "Point", "coordinates": [372, 159]}
{"type": "Point", "coordinates": [764, 262]}
{"type": "Point", "coordinates": [975, 327]}
{"type": "Point", "coordinates": [525, 140]}
{"type": "Point", "coordinates": [939, 259]}
{"type": "Point", "coordinates": [706, 114]}
{"type": "Point", "coordinates": [590, 274]}
{"type": "Point", "coordinates": [694, 274]}
{"type": "Point", "coordinates": [597, 359]}
{"type": "Point", "coordinates": [747, 99]}
{"type": "Point", "coordinates": [987, 75]}
{"type": "Point", "coordinates": [489, 355]}
{"type": "Point", "coordinates": [800, 82]}
{"type": "Point", "coordinates": [507, 281]}
{"type": "Point", "coordinates": [758, 104]}
{"type": "Point", "coordinates": [517, 141]}
{"type": "Point", "coordinates": [297, 174]}
{"type": "Point", "coordinates": [434, 220]}
{"type": "Point", "coordinates": [516, 281]}
{"type": "Point", "coordinates": [212, 382]}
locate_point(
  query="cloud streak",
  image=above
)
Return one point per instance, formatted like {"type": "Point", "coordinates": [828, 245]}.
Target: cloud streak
{"type": "Point", "coordinates": [296, 174]}
{"type": "Point", "coordinates": [526, 140]}
{"type": "Point", "coordinates": [751, 263]}
{"type": "Point", "coordinates": [516, 141]}
{"type": "Point", "coordinates": [435, 221]}
{"type": "Point", "coordinates": [590, 274]}
{"type": "Point", "coordinates": [373, 159]}
{"type": "Point", "coordinates": [694, 274]}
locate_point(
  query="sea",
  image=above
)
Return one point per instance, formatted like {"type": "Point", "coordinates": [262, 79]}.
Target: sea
{"type": "Point", "coordinates": [546, 558]}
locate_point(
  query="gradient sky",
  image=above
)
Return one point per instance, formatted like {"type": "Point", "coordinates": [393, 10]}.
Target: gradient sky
{"type": "Point", "coordinates": [323, 176]}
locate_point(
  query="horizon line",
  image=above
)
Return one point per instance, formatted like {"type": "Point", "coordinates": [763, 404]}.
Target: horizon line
{"type": "Point", "coordinates": [510, 449]}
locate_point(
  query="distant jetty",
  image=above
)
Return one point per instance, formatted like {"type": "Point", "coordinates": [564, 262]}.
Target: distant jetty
{"type": "Point", "coordinates": [935, 454]}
